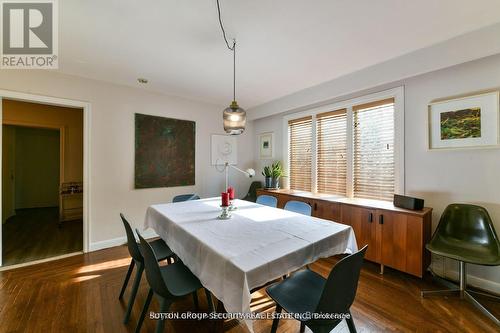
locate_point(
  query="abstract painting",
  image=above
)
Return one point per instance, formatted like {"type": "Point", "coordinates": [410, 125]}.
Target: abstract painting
{"type": "Point", "coordinates": [465, 122]}
{"type": "Point", "coordinates": [164, 152]}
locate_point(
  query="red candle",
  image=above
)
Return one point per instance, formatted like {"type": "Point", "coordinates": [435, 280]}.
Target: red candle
{"type": "Point", "coordinates": [225, 199]}
{"type": "Point", "coordinates": [230, 190]}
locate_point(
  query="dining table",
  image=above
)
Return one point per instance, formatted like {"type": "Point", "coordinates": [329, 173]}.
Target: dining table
{"type": "Point", "coordinates": [257, 245]}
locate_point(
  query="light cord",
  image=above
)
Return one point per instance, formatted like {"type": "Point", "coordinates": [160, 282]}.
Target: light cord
{"type": "Point", "coordinates": [234, 69]}
{"type": "Point", "coordinates": [233, 48]}
{"type": "Point", "coordinates": [224, 31]}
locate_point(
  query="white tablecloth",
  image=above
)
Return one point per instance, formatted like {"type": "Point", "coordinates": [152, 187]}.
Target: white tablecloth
{"type": "Point", "coordinates": [258, 245]}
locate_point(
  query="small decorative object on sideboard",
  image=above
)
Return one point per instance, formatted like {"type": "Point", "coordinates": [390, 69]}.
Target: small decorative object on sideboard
{"type": "Point", "coordinates": [272, 174]}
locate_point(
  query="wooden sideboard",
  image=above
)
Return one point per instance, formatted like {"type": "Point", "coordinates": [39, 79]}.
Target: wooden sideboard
{"type": "Point", "coordinates": [396, 237]}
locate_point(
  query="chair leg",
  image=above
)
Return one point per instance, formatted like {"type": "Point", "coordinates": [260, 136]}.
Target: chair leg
{"type": "Point", "coordinates": [466, 294]}
{"type": "Point", "coordinates": [210, 300]}
{"type": "Point", "coordinates": [350, 323]}
{"type": "Point", "coordinates": [276, 320]}
{"type": "Point", "coordinates": [481, 308]}
{"type": "Point", "coordinates": [302, 327]}
{"type": "Point", "coordinates": [135, 287]}
{"type": "Point", "coordinates": [462, 283]}
{"type": "Point", "coordinates": [445, 292]}
{"type": "Point", "coordinates": [144, 311]}
{"type": "Point", "coordinates": [127, 277]}
{"type": "Point", "coordinates": [164, 306]}
{"type": "Point", "coordinates": [195, 301]}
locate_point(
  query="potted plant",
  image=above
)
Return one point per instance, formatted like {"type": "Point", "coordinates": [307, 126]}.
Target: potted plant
{"type": "Point", "coordinates": [276, 174]}
{"type": "Point", "coordinates": [267, 173]}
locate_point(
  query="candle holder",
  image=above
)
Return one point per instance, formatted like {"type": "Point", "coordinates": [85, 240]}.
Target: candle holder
{"type": "Point", "coordinates": [225, 214]}
{"type": "Point", "coordinates": [232, 206]}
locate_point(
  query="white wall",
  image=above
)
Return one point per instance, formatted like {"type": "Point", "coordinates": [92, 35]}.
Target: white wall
{"type": "Point", "coordinates": [470, 46]}
{"type": "Point", "coordinates": [112, 145]}
{"type": "Point", "coordinates": [440, 177]}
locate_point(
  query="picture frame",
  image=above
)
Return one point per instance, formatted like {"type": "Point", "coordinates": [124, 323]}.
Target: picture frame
{"type": "Point", "coordinates": [224, 149]}
{"type": "Point", "coordinates": [470, 121]}
{"type": "Point", "coordinates": [266, 146]}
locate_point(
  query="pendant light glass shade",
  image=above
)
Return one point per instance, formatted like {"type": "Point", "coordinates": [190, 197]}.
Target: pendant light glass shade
{"type": "Point", "coordinates": [235, 119]}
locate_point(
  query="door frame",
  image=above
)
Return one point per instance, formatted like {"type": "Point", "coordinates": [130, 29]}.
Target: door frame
{"type": "Point", "coordinates": [56, 101]}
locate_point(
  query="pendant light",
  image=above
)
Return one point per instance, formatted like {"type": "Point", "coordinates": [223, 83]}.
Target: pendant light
{"type": "Point", "coordinates": [234, 117]}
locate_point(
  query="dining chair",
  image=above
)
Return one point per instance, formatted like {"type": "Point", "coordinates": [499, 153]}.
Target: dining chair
{"type": "Point", "coordinates": [168, 283]}
{"type": "Point", "coordinates": [298, 207]}
{"type": "Point", "coordinates": [185, 197]}
{"type": "Point", "coordinates": [267, 200]}
{"type": "Point", "coordinates": [466, 233]}
{"type": "Point", "coordinates": [252, 191]}
{"type": "Point", "coordinates": [306, 292]}
{"type": "Point", "coordinates": [162, 252]}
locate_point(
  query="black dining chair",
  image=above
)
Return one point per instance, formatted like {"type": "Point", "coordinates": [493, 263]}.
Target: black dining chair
{"type": "Point", "coordinates": [307, 292]}
{"type": "Point", "coordinates": [185, 197]}
{"type": "Point", "coordinates": [252, 191]}
{"type": "Point", "coordinates": [162, 252]}
{"type": "Point", "coordinates": [169, 283]}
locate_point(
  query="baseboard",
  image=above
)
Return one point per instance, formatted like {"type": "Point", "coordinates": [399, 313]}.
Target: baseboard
{"type": "Point", "coordinates": [96, 246]}
{"type": "Point", "coordinates": [486, 285]}
{"type": "Point", "coordinates": [105, 244]}
{"type": "Point", "coordinates": [440, 268]}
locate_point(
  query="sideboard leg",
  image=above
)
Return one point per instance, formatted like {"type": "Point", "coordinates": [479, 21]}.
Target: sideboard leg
{"type": "Point", "coordinates": [381, 269]}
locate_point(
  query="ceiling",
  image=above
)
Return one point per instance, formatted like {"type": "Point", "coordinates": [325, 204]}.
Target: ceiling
{"type": "Point", "coordinates": [283, 45]}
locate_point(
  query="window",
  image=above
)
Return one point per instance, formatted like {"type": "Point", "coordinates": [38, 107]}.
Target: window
{"type": "Point", "coordinates": [353, 148]}
{"type": "Point", "coordinates": [332, 152]}
{"type": "Point", "coordinates": [373, 160]}
{"type": "Point", "coordinates": [300, 153]}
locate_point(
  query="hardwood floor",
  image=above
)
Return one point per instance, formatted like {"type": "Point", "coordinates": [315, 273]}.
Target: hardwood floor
{"type": "Point", "coordinates": [33, 234]}
{"type": "Point", "coordinates": [80, 294]}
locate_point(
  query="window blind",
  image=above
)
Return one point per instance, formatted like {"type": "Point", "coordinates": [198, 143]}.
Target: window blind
{"type": "Point", "coordinates": [300, 153]}
{"type": "Point", "coordinates": [373, 156]}
{"type": "Point", "coordinates": [331, 172]}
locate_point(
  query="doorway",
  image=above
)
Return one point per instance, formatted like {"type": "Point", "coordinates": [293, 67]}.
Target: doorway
{"type": "Point", "coordinates": [42, 181]}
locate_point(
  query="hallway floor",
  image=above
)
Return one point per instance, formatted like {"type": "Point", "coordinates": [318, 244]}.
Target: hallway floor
{"type": "Point", "coordinates": [34, 234]}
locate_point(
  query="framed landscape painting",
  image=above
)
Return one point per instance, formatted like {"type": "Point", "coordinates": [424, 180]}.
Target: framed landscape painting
{"type": "Point", "coordinates": [466, 122]}
{"type": "Point", "coordinates": [164, 152]}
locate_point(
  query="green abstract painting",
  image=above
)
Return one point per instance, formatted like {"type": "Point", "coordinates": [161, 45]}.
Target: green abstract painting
{"type": "Point", "coordinates": [164, 152]}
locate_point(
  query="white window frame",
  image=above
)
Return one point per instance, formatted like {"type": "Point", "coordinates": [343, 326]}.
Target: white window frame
{"type": "Point", "coordinates": [399, 137]}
